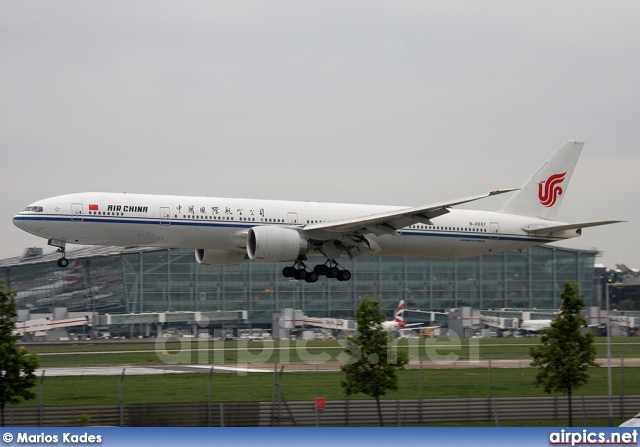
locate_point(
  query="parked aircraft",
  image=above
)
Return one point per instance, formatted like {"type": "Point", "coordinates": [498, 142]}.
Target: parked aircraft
{"type": "Point", "coordinates": [398, 322]}
{"type": "Point", "coordinates": [226, 231]}
{"type": "Point", "coordinates": [534, 326]}
{"type": "Point", "coordinates": [537, 326]}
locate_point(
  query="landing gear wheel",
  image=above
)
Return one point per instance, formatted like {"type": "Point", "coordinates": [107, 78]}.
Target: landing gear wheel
{"type": "Point", "coordinates": [62, 262]}
{"type": "Point", "coordinates": [333, 272]}
{"type": "Point", "coordinates": [289, 272]}
{"type": "Point", "coordinates": [344, 275]}
{"type": "Point", "coordinates": [311, 277]}
{"type": "Point", "coordinates": [321, 269]}
{"type": "Point", "coordinates": [301, 274]}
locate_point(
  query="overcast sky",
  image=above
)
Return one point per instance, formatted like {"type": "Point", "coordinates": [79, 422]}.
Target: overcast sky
{"type": "Point", "coordinates": [395, 103]}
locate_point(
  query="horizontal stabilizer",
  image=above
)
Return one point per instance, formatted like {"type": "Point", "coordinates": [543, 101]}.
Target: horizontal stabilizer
{"type": "Point", "coordinates": [547, 231]}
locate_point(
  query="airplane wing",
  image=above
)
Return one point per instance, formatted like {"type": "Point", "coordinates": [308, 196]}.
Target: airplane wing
{"type": "Point", "coordinates": [548, 231]}
{"type": "Point", "coordinates": [392, 221]}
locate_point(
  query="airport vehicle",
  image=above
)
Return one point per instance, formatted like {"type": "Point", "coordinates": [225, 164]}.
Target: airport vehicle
{"type": "Point", "coordinates": [225, 231]}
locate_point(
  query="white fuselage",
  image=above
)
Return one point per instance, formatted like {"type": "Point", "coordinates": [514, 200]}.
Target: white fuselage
{"type": "Point", "coordinates": [222, 224]}
{"type": "Point", "coordinates": [534, 325]}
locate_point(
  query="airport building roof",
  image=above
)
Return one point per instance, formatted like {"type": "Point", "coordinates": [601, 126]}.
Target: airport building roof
{"type": "Point", "coordinates": [36, 255]}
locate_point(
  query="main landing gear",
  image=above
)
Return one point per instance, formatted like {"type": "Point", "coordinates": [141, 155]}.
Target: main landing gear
{"type": "Point", "coordinates": [330, 269]}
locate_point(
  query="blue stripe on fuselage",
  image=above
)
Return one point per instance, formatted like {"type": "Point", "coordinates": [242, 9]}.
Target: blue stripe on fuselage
{"type": "Point", "coordinates": [240, 224]}
{"type": "Point", "coordinates": [485, 236]}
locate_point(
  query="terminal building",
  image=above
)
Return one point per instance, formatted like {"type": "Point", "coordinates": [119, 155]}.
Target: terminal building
{"type": "Point", "coordinates": [115, 280]}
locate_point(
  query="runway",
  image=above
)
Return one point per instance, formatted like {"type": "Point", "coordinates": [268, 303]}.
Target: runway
{"type": "Point", "coordinates": [330, 366]}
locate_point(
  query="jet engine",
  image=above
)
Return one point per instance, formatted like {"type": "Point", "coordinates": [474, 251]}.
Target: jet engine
{"type": "Point", "coordinates": [275, 244]}
{"type": "Point", "coordinates": [219, 257]}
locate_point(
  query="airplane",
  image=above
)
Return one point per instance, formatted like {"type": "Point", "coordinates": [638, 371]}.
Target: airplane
{"type": "Point", "coordinates": [535, 326]}
{"type": "Point", "coordinates": [398, 322]}
{"type": "Point", "coordinates": [225, 231]}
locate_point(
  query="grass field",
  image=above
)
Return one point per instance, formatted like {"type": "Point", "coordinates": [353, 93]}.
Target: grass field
{"type": "Point", "coordinates": [192, 387]}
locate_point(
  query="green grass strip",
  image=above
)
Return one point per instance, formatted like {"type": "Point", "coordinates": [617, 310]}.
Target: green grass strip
{"type": "Point", "coordinates": [192, 387]}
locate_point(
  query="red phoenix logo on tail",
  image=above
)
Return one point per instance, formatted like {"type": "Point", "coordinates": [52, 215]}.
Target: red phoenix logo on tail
{"type": "Point", "coordinates": [550, 189]}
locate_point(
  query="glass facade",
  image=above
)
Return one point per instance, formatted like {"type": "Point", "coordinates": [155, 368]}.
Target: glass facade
{"type": "Point", "coordinates": [145, 280]}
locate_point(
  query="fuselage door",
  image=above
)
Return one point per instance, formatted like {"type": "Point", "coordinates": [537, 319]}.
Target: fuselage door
{"type": "Point", "coordinates": [76, 212]}
{"type": "Point", "coordinates": [293, 218]}
{"type": "Point", "coordinates": [165, 215]}
{"type": "Point", "coordinates": [494, 228]}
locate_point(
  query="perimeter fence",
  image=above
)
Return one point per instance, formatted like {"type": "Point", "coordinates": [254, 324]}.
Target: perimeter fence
{"type": "Point", "coordinates": [408, 412]}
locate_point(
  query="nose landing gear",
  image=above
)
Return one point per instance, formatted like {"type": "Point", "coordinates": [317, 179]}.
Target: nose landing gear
{"type": "Point", "coordinates": [63, 261]}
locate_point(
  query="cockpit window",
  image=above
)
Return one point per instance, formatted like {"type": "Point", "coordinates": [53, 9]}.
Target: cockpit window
{"type": "Point", "coordinates": [35, 209]}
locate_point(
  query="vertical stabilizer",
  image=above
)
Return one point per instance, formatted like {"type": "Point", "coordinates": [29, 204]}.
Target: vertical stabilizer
{"type": "Point", "coordinates": [541, 196]}
{"type": "Point", "coordinates": [399, 317]}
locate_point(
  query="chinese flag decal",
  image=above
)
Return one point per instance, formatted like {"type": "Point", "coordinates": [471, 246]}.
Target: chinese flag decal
{"type": "Point", "coordinates": [93, 207]}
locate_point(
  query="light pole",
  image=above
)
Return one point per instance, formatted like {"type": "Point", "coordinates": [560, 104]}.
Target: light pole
{"type": "Point", "coordinates": [609, 383]}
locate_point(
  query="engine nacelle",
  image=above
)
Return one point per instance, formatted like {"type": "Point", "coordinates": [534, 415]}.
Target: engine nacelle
{"type": "Point", "coordinates": [219, 257]}
{"type": "Point", "coordinates": [275, 244]}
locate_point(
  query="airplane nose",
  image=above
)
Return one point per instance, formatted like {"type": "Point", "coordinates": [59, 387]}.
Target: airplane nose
{"type": "Point", "coordinates": [18, 221]}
